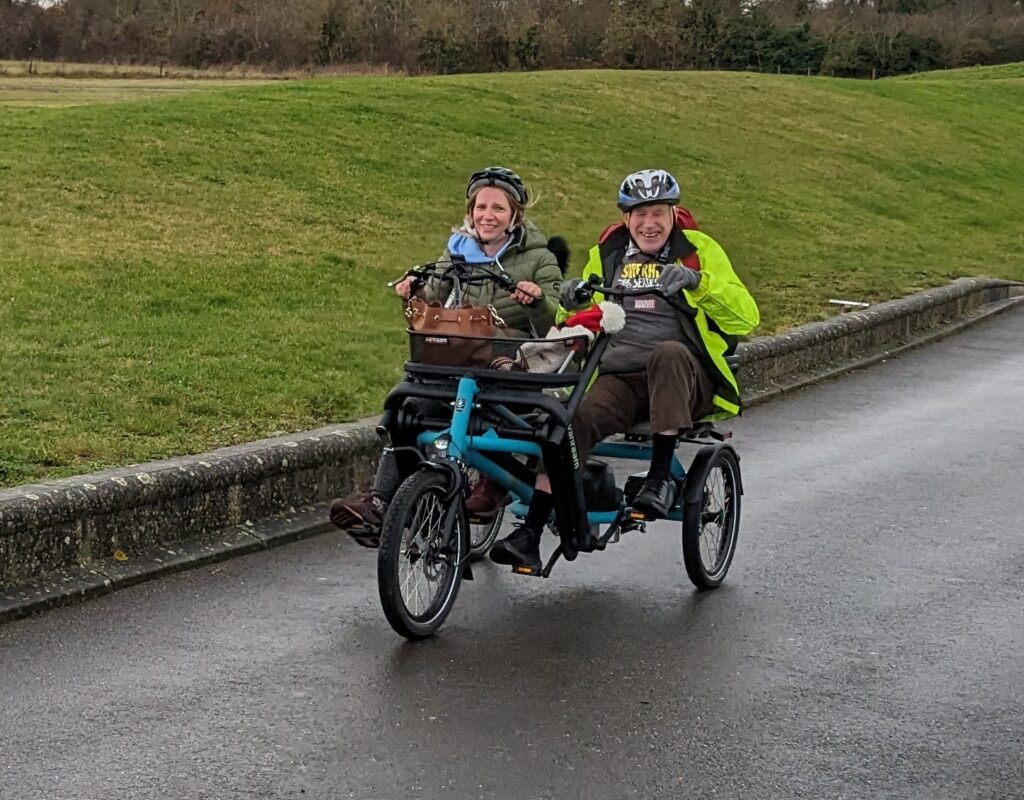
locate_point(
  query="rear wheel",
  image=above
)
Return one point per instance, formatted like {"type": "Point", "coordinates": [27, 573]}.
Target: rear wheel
{"type": "Point", "coordinates": [422, 550]}
{"type": "Point", "coordinates": [482, 533]}
{"type": "Point", "coordinates": [711, 522]}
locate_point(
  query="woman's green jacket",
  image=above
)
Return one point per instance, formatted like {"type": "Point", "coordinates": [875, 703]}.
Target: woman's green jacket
{"type": "Point", "coordinates": [527, 258]}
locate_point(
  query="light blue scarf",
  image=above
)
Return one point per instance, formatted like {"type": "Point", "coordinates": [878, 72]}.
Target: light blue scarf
{"type": "Point", "coordinates": [463, 244]}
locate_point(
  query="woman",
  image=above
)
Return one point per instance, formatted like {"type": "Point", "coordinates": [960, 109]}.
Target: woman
{"type": "Point", "coordinates": [495, 228]}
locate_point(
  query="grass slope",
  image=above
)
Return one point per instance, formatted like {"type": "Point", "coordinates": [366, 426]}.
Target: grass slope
{"type": "Point", "coordinates": [58, 92]}
{"type": "Point", "coordinates": [192, 271]}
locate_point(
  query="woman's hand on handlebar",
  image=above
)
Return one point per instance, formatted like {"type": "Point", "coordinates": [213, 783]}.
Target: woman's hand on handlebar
{"type": "Point", "coordinates": [524, 292]}
{"type": "Point", "coordinates": [404, 287]}
{"type": "Point", "coordinates": [527, 293]}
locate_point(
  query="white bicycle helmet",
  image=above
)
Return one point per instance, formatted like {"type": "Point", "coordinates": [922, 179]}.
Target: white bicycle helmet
{"type": "Point", "coordinates": [648, 186]}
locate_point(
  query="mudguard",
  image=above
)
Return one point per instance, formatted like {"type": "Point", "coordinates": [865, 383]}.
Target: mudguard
{"type": "Point", "coordinates": [455, 493]}
{"type": "Point", "coordinates": [694, 483]}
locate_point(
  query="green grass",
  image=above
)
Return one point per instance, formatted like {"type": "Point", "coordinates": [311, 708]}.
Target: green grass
{"type": "Point", "coordinates": [998, 72]}
{"type": "Point", "coordinates": [191, 271]}
{"type": "Point", "coordinates": [54, 92]}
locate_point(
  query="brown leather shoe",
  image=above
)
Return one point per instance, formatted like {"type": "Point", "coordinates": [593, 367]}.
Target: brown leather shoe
{"type": "Point", "coordinates": [486, 499]}
{"type": "Point", "coordinates": [360, 517]}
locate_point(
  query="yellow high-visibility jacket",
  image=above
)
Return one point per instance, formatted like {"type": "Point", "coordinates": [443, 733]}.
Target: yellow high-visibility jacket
{"type": "Point", "coordinates": [720, 307]}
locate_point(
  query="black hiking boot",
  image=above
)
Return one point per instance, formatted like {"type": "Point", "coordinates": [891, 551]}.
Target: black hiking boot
{"type": "Point", "coordinates": [521, 548]}
{"type": "Point", "coordinates": [656, 497]}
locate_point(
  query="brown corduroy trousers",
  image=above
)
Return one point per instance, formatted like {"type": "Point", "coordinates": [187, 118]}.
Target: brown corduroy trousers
{"type": "Point", "coordinates": [672, 392]}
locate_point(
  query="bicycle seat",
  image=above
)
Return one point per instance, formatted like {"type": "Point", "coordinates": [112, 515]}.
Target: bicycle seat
{"type": "Point", "coordinates": [641, 432]}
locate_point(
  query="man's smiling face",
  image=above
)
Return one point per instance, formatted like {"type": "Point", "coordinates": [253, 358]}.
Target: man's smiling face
{"type": "Point", "coordinates": [650, 226]}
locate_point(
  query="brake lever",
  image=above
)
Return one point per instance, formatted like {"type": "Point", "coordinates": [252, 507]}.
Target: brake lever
{"type": "Point", "coordinates": [424, 272]}
{"type": "Point", "coordinates": [510, 286]}
{"type": "Point", "coordinates": [396, 281]}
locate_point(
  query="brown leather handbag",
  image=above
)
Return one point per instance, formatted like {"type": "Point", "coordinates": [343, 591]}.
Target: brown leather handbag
{"type": "Point", "coordinates": [451, 337]}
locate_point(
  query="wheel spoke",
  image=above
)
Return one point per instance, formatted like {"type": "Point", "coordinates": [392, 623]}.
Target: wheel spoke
{"type": "Point", "coordinates": [424, 566]}
{"type": "Point", "coordinates": [418, 565]}
{"type": "Point", "coordinates": [710, 527]}
{"type": "Point", "coordinates": [713, 538]}
{"type": "Point", "coordinates": [414, 575]}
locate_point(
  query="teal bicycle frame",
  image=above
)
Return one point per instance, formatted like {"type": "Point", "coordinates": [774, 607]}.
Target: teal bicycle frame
{"type": "Point", "coordinates": [456, 444]}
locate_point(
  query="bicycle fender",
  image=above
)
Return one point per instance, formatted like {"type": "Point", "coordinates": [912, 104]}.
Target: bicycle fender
{"type": "Point", "coordinates": [694, 484]}
{"type": "Point", "coordinates": [454, 476]}
{"type": "Point", "coordinates": [455, 492]}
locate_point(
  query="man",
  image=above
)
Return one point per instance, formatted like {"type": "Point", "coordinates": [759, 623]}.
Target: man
{"type": "Point", "coordinates": [667, 364]}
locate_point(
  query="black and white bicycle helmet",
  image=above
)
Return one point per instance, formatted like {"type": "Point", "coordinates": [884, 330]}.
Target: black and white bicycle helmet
{"type": "Point", "coordinates": [648, 186]}
{"type": "Point", "coordinates": [500, 177]}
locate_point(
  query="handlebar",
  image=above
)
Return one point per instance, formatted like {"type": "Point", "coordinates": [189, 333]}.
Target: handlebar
{"type": "Point", "coordinates": [586, 291]}
{"type": "Point", "coordinates": [461, 272]}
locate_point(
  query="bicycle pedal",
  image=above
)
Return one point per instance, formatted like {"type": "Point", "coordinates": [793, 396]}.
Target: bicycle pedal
{"type": "Point", "coordinates": [631, 523]}
{"type": "Point", "coordinates": [522, 569]}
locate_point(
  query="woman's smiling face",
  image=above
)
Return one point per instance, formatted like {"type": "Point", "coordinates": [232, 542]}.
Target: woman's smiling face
{"type": "Point", "coordinates": [492, 214]}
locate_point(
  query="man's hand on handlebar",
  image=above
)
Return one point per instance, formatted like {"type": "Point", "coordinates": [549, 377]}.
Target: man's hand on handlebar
{"type": "Point", "coordinates": [675, 278]}
{"type": "Point", "coordinates": [576, 293]}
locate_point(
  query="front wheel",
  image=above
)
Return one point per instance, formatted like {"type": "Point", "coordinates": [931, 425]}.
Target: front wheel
{"type": "Point", "coordinates": [422, 550]}
{"type": "Point", "coordinates": [711, 518]}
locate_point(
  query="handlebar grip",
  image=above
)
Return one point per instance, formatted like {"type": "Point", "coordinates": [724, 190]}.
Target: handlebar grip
{"type": "Point", "coordinates": [583, 294]}
{"type": "Point", "coordinates": [510, 286]}
{"type": "Point", "coordinates": [533, 302]}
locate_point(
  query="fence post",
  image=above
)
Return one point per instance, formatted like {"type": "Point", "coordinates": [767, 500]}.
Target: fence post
{"type": "Point", "coordinates": [873, 73]}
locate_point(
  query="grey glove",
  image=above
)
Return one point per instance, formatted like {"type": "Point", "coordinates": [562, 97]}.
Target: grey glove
{"type": "Point", "coordinates": [567, 297]}
{"type": "Point", "coordinates": [675, 278]}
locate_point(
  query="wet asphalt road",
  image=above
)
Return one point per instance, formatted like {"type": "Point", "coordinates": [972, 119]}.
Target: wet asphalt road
{"type": "Point", "coordinates": [869, 641]}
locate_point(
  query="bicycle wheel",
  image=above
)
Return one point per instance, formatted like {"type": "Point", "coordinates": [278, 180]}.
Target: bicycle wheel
{"type": "Point", "coordinates": [483, 533]}
{"type": "Point", "coordinates": [419, 564]}
{"type": "Point", "coordinates": [711, 523]}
